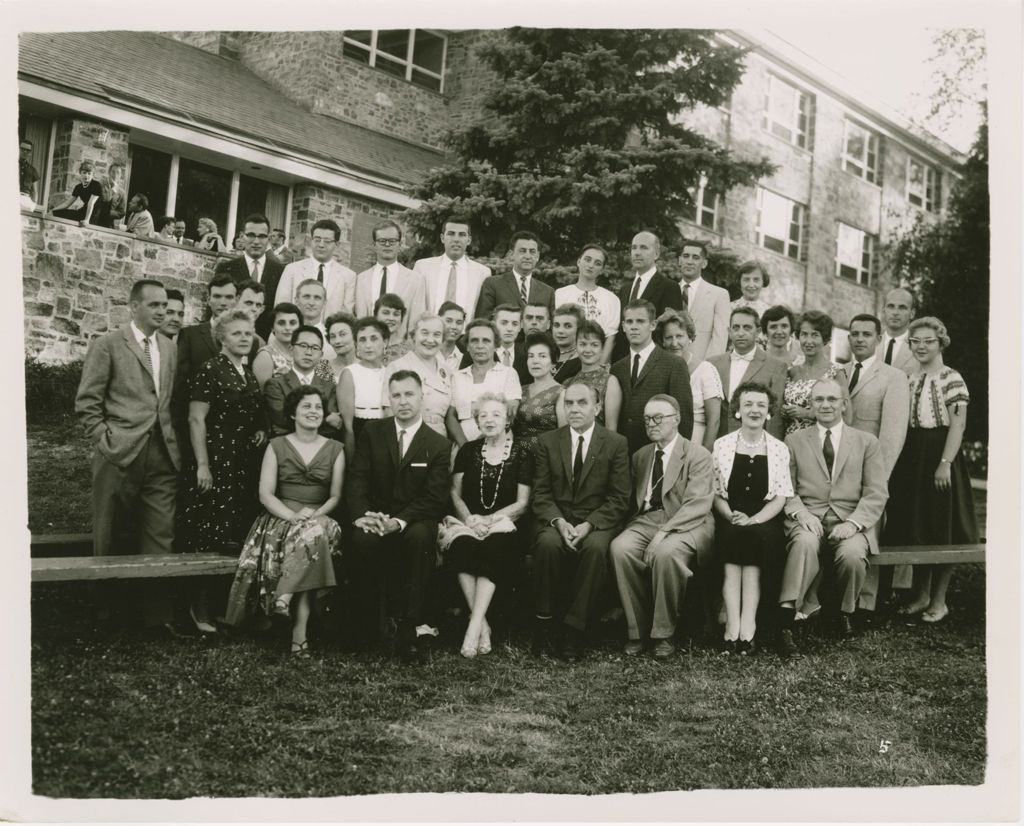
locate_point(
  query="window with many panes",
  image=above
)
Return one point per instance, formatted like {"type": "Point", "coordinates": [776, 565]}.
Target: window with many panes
{"type": "Point", "coordinates": [780, 223]}
{"type": "Point", "coordinates": [922, 185]}
{"type": "Point", "coordinates": [855, 251]}
{"type": "Point", "coordinates": [705, 204]}
{"type": "Point", "coordinates": [416, 55]}
{"type": "Point", "coordinates": [787, 112]}
{"type": "Point", "coordinates": [860, 152]}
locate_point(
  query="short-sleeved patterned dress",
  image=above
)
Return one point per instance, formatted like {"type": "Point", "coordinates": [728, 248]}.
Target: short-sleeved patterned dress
{"type": "Point", "coordinates": [216, 521]}
{"type": "Point", "coordinates": [487, 488]}
{"type": "Point", "coordinates": [917, 513]}
{"type": "Point", "coordinates": [798, 392]}
{"type": "Point", "coordinates": [282, 557]}
{"type": "Point", "coordinates": [536, 415]}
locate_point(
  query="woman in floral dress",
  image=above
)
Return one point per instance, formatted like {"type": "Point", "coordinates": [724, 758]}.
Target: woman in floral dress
{"type": "Point", "coordinates": [590, 347]}
{"type": "Point", "coordinates": [289, 552]}
{"type": "Point", "coordinates": [814, 334]}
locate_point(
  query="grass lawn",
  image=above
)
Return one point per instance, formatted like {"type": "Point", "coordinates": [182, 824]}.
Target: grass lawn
{"type": "Point", "coordinates": [115, 715]}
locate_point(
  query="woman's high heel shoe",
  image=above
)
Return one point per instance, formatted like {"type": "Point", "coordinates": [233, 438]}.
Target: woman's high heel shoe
{"type": "Point", "coordinates": [469, 649]}
{"type": "Point", "coordinates": [484, 646]}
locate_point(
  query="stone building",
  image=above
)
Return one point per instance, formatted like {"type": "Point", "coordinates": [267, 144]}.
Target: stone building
{"type": "Point", "coordinates": [311, 125]}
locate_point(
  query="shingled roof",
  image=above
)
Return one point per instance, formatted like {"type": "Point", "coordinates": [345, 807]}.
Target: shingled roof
{"type": "Point", "coordinates": [184, 81]}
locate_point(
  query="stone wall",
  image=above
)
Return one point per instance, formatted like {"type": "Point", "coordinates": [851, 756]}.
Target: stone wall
{"type": "Point", "coordinates": [76, 282]}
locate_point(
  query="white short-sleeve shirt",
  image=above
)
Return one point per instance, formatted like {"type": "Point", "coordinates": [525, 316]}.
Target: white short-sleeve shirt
{"type": "Point", "coordinates": [599, 305]}
{"type": "Point", "coordinates": [499, 379]}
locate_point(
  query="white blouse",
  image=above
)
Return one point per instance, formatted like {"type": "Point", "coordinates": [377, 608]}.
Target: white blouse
{"type": "Point", "coordinates": [498, 379]}
{"type": "Point", "coordinates": [369, 390]}
{"type": "Point", "coordinates": [705, 383]}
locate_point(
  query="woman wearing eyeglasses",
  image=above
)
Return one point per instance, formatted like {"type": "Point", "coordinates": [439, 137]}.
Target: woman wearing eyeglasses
{"type": "Point", "coordinates": [930, 499]}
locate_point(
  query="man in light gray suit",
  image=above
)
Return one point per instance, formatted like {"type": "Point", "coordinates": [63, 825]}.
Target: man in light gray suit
{"type": "Point", "coordinates": [880, 397]}
{"type": "Point", "coordinates": [707, 304]}
{"type": "Point", "coordinates": [453, 276]}
{"type": "Point", "coordinates": [124, 404]}
{"type": "Point", "coordinates": [897, 314]}
{"type": "Point", "coordinates": [388, 276]}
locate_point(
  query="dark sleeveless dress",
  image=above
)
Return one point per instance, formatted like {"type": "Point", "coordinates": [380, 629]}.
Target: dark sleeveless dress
{"type": "Point", "coordinates": [749, 544]}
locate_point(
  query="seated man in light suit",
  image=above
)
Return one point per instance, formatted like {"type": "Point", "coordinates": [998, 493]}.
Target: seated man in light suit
{"type": "Point", "coordinates": [708, 305]}
{"type": "Point", "coordinates": [839, 479]}
{"type": "Point", "coordinates": [671, 533]}
{"type": "Point", "coordinates": [880, 399]}
{"type": "Point", "coordinates": [580, 500]}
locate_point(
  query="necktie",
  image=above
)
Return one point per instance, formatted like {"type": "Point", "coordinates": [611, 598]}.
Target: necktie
{"type": "Point", "coordinates": [636, 289]}
{"type": "Point", "coordinates": [830, 454]}
{"type": "Point", "coordinates": [320, 274]}
{"type": "Point", "coordinates": [522, 290]}
{"type": "Point", "coordinates": [856, 376]}
{"type": "Point", "coordinates": [449, 293]}
{"type": "Point", "coordinates": [636, 370]}
{"type": "Point", "coordinates": [686, 295]}
{"type": "Point", "coordinates": [657, 477]}
{"type": "Point", "coordinates": [383, 282]}
{"type": "Point", "coordinates": [256, 271]}
{"type": "Point", "coordinates": [888, 351]}
{"type": "Point", "coordinates": [148, 354]}
{"type": "Point", "coordinates": [506, 359]}
{"type": "Point", "coordinates": [401, 444]}
{"type": "Point", "coordinates": [577, 464]}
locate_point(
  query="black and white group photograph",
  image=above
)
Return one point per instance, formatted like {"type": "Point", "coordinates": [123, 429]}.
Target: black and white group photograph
{"type": "Point", "coordinates": [526, 409]}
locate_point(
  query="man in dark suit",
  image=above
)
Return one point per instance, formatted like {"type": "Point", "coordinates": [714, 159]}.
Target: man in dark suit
{"type": "Point", "coordinates": [307, 350]}
{"type": "Point", "coordinates": [748, 362]}
{"type": "Point", "coordinates": [397, 493]}
{"type": "Point", "coordinates": [646, 371]}
{"type": "Point", "coordinates": [580, 500]}
{"type": "Point", "coordinates": [646, 283]}
{"type": "Point", "coordinates": [832, 520]}
{"type": "Point", "coordinates": [254, 263]}
{"type": "Point", "coordinates": [520, 286]}
{"type": "Point", "coordinates": [124, 404]}
{"type": "Point", "coordinates": [196, 346]}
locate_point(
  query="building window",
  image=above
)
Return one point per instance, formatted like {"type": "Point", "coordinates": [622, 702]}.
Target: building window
{"type": "Point", "coordinates": [780, 224]}
{"type": "Point", "coordinates": [922, 189]}
{"type": "Point", "coordinates": [705, 205]}
{"type": "Point", "coordinates": [416, 55]}
{"type": "Point", "coordinates": [860, 152]}
{"type": "Point", "coordinates": [149, 173]}
{"type": "Point", "coordinates": [787, 112]}
{"type": "Point", "coordinates": [854, 254]}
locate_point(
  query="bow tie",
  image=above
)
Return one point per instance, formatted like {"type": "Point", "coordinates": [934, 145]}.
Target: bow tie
{"type": "Point", "coordinates": [748, 357]}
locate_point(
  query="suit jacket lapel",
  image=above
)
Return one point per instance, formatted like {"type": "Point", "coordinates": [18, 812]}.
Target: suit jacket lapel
{"type": "Point", "coordinates": [648, 291]}
{"type": "Point", "coordinates": [643, 472]}
{"type": "Point", "coordinates": [648, 365]}
{"type": "Point", "coordinates": [133, 345]}
{"type": "Point", "coordinates": [865, 377]}
{"type": "Point", "coordinates": [411, 448]}
{"type": "Point", "coordinates": [596, 443]}
{"type": "Point", "coordinates": [565, 450]}
{"type": "Point", "coordinates": [206, 333]}
{"type": "Point", "coordinates": [391, 440]}
{"type": "Point", "coordinates": [815, 445]}
{"type": "Point", "coordinates": [166, 374]}
{"type": "Point", "coordinates": [842, 452]}
{"type": "Point", "coordinates": [756, 364]}
{"type": "Point", "coordinates": [672, 468]}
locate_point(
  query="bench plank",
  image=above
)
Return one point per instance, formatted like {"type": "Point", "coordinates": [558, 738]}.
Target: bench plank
{"type": "Point", "coordinates": [929, 555]}
{"type": "Point", "coordinates": [70, 568]}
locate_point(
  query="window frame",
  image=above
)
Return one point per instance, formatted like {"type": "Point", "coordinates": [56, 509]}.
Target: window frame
{"type": "Point", "coordinates": [373, 52]}
{"type": "Point", "coordinates": [799, 139]}
{"type": "Point", "coordinates": [788, 243]}
{"type": "Point", "coordinates": [864, 167]}
{"type": "Point", "coordinates": [928, 199]}
{"type": "Point", "coordinates": [698, 193]}
{"type": "Point", "coordinates": [868, 245]}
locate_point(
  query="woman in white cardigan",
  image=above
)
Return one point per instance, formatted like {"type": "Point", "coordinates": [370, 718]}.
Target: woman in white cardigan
{"type": "Point", "coordinates": [752, 483]}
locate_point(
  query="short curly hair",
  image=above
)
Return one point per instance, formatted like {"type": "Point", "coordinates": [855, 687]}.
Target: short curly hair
{"type": "Point", "coordinates": [822, 322]}
{"type": "Point", "coordinates": [489, 396]}
{"type": "Point", "coordinates": [934, 324]}
{"type": "Point", "coordinates": [296, 395]}
{"type": "Point", "coordinates": [680, 317]}
{"type": "Point", "coordinates": [750, 387]}
{"type": "Point", "coordinates": [221, 322]}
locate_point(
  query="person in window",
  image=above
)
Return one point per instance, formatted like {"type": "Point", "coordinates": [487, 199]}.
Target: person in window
{"type": "Point", "coordinates": [110, 210]}
{"type": "Point", "coordinates": [81, 203]}
{"type": "Point", "coordinates": [209, 239]}
{"type": "Point", "coordinates": [930, 489]}
{"type": "Point", "coordinates": [165, 228]}
{"type": "Point", "coordinates": [288, 555]}
{"type": "Point", "coordinates": [138, 220]}
{"type": "Point", "coordinates": [27, 176]}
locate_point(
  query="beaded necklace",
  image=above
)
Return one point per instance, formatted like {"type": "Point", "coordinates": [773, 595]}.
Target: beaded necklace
{"type": "Point", "coordinates": [506, 451]}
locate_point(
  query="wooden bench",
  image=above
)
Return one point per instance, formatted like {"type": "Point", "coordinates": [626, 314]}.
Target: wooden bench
{"type": "Point", "coordinates": [929, 555]}
{"type": "Point", "coordinates": [74, 568]}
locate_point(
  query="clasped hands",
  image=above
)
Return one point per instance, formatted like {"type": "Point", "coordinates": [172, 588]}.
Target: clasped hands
{"type": "Point", "coordinates": [378, 523]}
{"type": "Point", "coordinates": [480, 525]}
{"type": "Point", "coordinates": [572, 536]}
{"type": "Point", "coordinates": [809, 522]}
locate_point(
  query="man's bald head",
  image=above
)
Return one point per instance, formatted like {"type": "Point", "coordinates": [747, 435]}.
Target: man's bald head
{"type": "Point", "coordinates": [898, 311]}
{"type": "Point", "coordinates": [644, 251]}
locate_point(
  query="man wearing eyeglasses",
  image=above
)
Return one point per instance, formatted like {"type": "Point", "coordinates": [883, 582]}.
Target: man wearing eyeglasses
{"type": "Point", "coordinates": [307, 350]}
{"type": "Point", "coordinates": [254, 263]}
{"type": "Point", "coordinates": [338, 280]}
{"type": "Point", "coordinates": [671, 531]}
{"type": "Point", "coordinates": [388, 276]}
{"type": "Point", "coordinates": [832, 520]}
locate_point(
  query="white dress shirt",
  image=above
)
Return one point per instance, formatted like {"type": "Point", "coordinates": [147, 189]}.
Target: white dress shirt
{"type": "Point", "coordinates": [519, 280]}
{"type": "Point", "coordinates": [339, 284]}
{"type": "Point", "coordinates": [574, 440]}
{"type": "Point", "coordinates": [738, 366]}
{"type": "Point", "coordinates": [901, 342]}
{"type": "Point", "coordinates": [304, 378]}
{"type": "Point", "coordinates": [500, 353]}
{"type": "Point", "coordinates": [261, 261]}
{"type": "Point", "coordinates": [645, 279]}
{"type": "Point", "coordinates": [689, 290]}
{"type": "Point", "coordinates": [410, 432]}
{"type": "Point", "coordinates": [438, 288]}
{"type": "Point", "coordinates": [644, 355]}
{"type": "Point", "coordinates": [837, 434]}
{"type": "Point", "coordinates": [667, 451]}
{"type": "Point", "coordinates": [154, 353]}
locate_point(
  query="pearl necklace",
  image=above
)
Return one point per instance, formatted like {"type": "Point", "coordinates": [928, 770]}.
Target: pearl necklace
{"type": "Point", "coordinates": [753, 446]}
{"type": "Point", "coordinates": [506, 450]}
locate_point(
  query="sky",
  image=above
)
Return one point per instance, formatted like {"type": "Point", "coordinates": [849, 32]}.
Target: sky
{"type": "Point", "coordinates": [889, 63]}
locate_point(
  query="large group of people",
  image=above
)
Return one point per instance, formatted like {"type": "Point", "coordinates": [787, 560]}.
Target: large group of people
{"type": "Point", "coordinates": [382, 430]}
